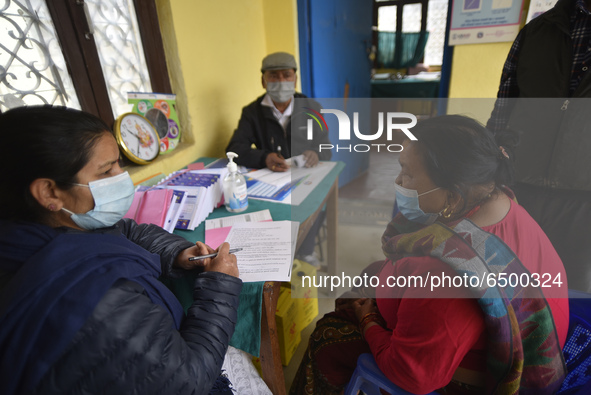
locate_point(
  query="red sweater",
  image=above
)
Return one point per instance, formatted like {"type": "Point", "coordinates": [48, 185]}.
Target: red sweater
{"type": "Point", "coordinates": [428, 339]}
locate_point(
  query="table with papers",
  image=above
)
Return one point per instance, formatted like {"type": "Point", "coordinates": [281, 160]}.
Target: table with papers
{"type": "Point", "coordinates": [267, 247]}
{"type": "Point", "coordinates": [318, 193]}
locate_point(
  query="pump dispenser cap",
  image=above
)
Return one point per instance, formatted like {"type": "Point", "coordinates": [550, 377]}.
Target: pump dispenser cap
{"type": "Point", "coordinates": [232, 167]}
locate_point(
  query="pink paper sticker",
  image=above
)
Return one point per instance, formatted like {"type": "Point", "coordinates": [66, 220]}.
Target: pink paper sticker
{"type": "Point", "coordinates": [196, 166]}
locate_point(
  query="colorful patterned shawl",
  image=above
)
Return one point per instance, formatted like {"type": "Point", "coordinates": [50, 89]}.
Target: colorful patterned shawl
{"type": "Point", "coordinates": [524, 354]}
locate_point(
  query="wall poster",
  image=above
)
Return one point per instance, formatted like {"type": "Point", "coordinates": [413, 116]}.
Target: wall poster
{"type": "Point", "coordinates": [485, 21]}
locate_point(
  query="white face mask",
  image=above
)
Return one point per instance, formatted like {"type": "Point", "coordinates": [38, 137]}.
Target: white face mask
{"type": "Point", "coordinates": [112, 199]}
{"type": "Point", "coordinates": [282, 91]}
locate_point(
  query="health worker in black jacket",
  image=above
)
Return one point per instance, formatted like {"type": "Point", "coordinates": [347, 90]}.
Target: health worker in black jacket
{"type": "Point", "coordinates": [266, 122]}
{"type": "Point", "coordinates": [81, 308]}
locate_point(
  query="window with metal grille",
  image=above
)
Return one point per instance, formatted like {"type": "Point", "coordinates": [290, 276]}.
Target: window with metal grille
{"type": "Point", "coordinates": [81, 54]}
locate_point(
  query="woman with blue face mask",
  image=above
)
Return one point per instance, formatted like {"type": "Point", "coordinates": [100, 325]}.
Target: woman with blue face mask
{"type": "Point", "coordinates": [81, 306]}
{"type": "Point", "coordinates": [442, 314]}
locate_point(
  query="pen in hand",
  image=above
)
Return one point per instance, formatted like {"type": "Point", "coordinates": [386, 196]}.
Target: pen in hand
{"type": "Point", "coordinates": [196, 258]}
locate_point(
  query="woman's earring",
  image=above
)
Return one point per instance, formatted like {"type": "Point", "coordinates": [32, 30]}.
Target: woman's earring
{"type": "Point", "coordinates": [51, 207]}
{"type": "Point", "coordinates": [447, 212]}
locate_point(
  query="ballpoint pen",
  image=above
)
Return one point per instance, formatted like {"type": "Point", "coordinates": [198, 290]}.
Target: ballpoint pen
{"type": "Point", "coordinates": [196, 258]}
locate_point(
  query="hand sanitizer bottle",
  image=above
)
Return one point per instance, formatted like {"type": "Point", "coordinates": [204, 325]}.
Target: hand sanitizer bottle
{"type": "Point", "coordinates": [235, 197]}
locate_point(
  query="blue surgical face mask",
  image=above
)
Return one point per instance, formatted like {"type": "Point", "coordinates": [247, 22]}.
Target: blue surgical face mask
{"type": "Point", "coordinates": [408, 204]}
{"type": "Point", "coordinates": [112, 199]}
{"type": "Point", "coordinates": [282, 91]}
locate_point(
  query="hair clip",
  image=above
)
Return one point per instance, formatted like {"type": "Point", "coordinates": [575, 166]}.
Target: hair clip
{"type": "Point", "coordinates": [505, 154]}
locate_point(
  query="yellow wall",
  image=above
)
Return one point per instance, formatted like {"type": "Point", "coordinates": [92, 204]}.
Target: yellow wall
{"type": "Point", "coordinates": [476, 69]}
{"type": "Point", "coordinates": [476, 73]}
{"type": "Point", "coordinates": [214, 51]}
{"type": "Point", "coordinates": [280, 18]}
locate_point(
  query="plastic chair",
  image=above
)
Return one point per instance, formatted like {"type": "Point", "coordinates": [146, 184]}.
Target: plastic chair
{"type": "Point", "coordinates": [577, 355]}
{"type": "Point", "coordinates": [368, 378]}
{"type": "Point", "coordinates": [577, 349]}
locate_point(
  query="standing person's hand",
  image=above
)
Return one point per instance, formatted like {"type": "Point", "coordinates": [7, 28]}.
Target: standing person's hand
{"type": "Point", "coordinates": [311, 158]}
{"type": "Point", "coordinates": [275, 162]}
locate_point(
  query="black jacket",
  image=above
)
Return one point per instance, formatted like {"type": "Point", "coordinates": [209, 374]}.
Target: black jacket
{"type": "Point", "coordinates": [129, 344]}
{"type": "Point", "coordinates": [258, 126]}
{"type": "Point", "coordinates": [554, 129]}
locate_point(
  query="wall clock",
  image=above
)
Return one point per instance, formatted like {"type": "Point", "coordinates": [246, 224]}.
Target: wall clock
{"type": "Point", "coordinates": [137, 138]}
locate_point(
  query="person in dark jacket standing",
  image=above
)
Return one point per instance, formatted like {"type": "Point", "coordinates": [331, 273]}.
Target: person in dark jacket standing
{"type": "Point", "coordinates": [266, 122]}
{"type": "Point", "coordinates": [81, 306]}
{"type": "Point", "coordinates": [543, 101]}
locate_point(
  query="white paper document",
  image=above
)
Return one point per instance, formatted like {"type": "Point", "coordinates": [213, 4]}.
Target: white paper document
{"type": "Point", "coordinates": [268, 176]}
{"type": "Point", "coordinates": [257, 216]}
{"type": "Point", "coordinates": [268, 249]}
{"type": "Point", "coordinates": [310, 178]}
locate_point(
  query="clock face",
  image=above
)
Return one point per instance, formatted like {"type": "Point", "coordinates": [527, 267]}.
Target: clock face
{"type": "Point", "coordinates": [137, 137]}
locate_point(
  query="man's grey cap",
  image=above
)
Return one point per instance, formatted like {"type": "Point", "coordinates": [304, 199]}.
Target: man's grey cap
{"type": "Point", "coordinates": [279, 61]}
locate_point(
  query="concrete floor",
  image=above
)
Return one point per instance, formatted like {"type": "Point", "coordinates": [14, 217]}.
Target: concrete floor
{"type": "Point", "coordinates": [365, 208]}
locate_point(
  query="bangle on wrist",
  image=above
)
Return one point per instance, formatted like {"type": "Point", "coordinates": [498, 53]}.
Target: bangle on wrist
{"type": "Point", "coordinates": [371, 317]}
{"type": "Point", "coordinates": [363, 326]}
{"type": "Point", "coordinates": [378, 320]}
{"type": "Point", "coordinates": [367, 316]}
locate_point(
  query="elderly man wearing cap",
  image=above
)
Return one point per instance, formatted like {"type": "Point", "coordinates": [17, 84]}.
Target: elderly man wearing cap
{"type": "Point", "coordinates": [264, 136]}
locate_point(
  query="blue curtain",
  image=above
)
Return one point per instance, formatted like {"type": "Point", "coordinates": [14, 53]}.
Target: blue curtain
{"type": "Point", "coordinates": [399, 51]}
